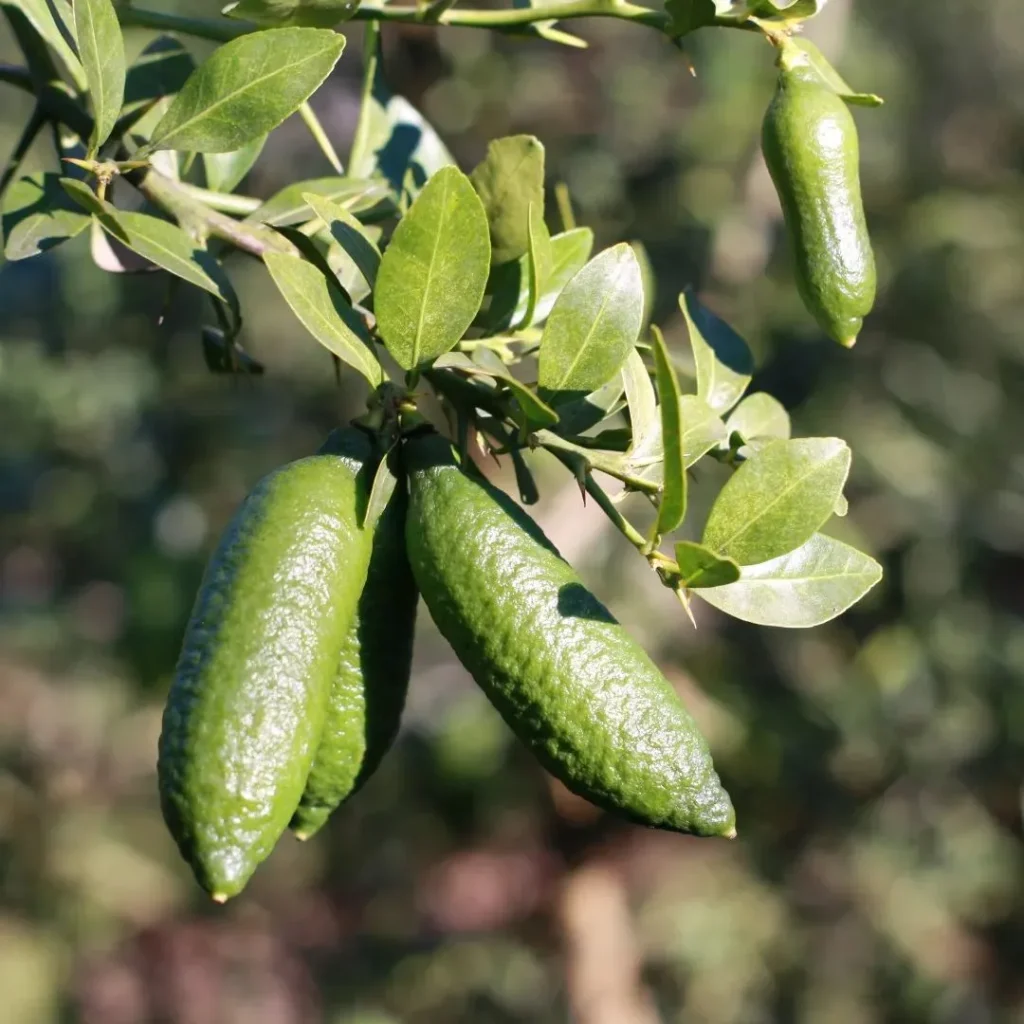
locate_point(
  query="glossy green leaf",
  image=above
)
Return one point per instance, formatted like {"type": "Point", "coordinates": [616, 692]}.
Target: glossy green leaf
{"type": "Point", "coordinates": [777, 499]}
{"type": "Point", "coordinates": [723, 361]}
{"type": "Point", "coordinates": [246, 88]}
{"type": "Point", "coordinates": [54, 20]}
{"type": "Point", "coordinates": [160, 70]}
{"type": "Point", "coordinates": [288, 207]}
{"type": "Point", "coordinates": [323, 311]}
{"type": "Point", "coordinates": [399, 144]}
{"type": "Point", "coordinates": [759, 415]}
{"type": "Point", "coordinates": [509, 180]}
{"type": "Point", "coordinates": [38, 215]}
{"type": "Point", "coordinates": [293, 13]}
{"type": "Point", "coordinates": [700, 567]}
{"type": "Point", "coordinates": [349, 234]}
{"type": "Point", "coordinates": [804, 588]}
{"type": "Point", "coordinates": [225, 171]}
{"type": "Point", "coordinates": [672, 503]}
{"type": "Point", "coordinates": [593, 325]}
{"type": "Point", "coordinates": [432, 277]}
{"type": "Point", "coordinates": [101, 50]}
{"type": "Point", "coordinates": [538, 263]}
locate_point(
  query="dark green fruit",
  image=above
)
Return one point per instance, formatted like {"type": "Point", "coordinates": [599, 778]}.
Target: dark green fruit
{"type": "Point", "coordinates": [567, 678]}
{"type": "Point", "coordinates": [810, 145]}
{"type": "Point", "coordinates": [248, 702]}
{"type": "Point", "coordinates": [369, 689]}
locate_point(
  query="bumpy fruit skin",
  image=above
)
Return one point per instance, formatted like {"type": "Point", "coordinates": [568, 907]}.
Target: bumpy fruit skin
{"type": "Point", "coordinates": [249, 697]}
{"type": "Point", "coordinates": [567, 678]}
{"type": "Point", "coordinates": [810, 145]}
{"type": "Point", "coordinates": [369, 690]}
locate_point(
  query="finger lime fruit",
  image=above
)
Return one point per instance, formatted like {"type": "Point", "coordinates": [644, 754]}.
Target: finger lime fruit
{"type": "Point", "coordinates": [248, 701]}
{"type": "Point", "coordinates": [810, 144]}
{"type": "Point", "coordinates": [372, 679]}
{"type": "Point", "coordinates": [567, 678]}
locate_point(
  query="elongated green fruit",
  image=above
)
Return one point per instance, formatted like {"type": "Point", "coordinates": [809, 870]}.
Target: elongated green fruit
{"type": "Point", "coordinates": [810, 145]}
{"type": "Point", "coordinates": [372, 679]}
{"type": "Point", "coordinates": [567, 678]}
{"type": "Point", "coordinates": [247, 705]}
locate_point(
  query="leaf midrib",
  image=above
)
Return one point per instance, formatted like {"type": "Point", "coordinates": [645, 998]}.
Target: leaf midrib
{"type": "Point", "coordinates": [251, 84]}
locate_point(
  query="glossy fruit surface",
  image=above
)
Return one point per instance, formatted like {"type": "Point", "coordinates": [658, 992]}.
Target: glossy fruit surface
{"type": "Point", "coordinates": [248, 701]}
{"type": "Point", "coordinates": [810, 145]}
{"type": "Point", "coordinates": [567, 678]}
{"type": "Point", "coordinates": [368, 693]}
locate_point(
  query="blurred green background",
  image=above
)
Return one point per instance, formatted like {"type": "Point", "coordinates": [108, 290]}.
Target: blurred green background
{"type": "Point", "coordinates": [875, 763]}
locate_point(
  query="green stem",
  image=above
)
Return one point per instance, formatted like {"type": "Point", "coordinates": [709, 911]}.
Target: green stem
{"type": "Point", "coordinates": [595, 460]}
{"type": "Point", "coordinates": [320, 137]}
{"type": "Point", "coordinates": [360, 152]}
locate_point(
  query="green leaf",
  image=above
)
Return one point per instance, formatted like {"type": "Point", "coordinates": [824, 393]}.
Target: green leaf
{"type": "Point", "coordinates": [702, 428]}
{"type": "Point", "coordinates": [510, 282]}
{"type": "Point", "coordinates": [288, 206]}
{"type": "Point", "coordinates": [54, 22]}
{"type": "Point", "coordinates": [400, 144]}
{"type": "Point", "coordinates": [160, 70]}
{"type": "Point", "coordinates": [225, 171]}
{"type": "Point", "coordinates": [759, 415]}
{"type": "Point", "coordinates": [593, 325]}
{"type": "Point", "coordinates": [101, 50]}
{"type": "Point", "coordinates": [538, 262]}
{"type": "Point", "coordinates": [812, 56]}
{"type": "Point", "coordinates": [777, 499]}
{"type": "Point", "coordinates": [323, 311]}
{"type": "Point", "coordinates": [642, 402]}
{"type": "Point", "coordinates": [92, 204]}
{"type": "Point", "coordinates": [536, 414]}
{"type": "Point", "coordinates": [699, 567]}
{"type": "Point", "coordinates": [246, 88]}
{"type": "Point", "coordinates": [432, 277]}
{"type": "Point", "coordinates": [349, 234]}
{"type": "Point", "coordinates": [585, 413]}
{"type": "Point", "coordinates": [672, 504]}
{"type": "Point", "coordinates": [804, 588]}
{"type": "Point", "coordinates": [508, 180]}
{"type": "Point", "coordinates": [293, 13]}
{"type": "Point", "coordinates": [649, 279]}
{"type": "Point", "coordinates": [688, 15]}
{"type": "Point", "coordinates": [224, 356]}
{"type": "Point", "coordinates": [385, 480]}
{"type": "Point", "coordinates": [724, 363]}
{"type": "Point", "coordinates": [38, 215]}
{"type": "Point", "coordinates": [783, 10]}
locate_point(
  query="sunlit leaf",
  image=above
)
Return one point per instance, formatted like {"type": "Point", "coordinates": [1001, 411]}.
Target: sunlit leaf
{"type": "Point", "coordinates": [293, 13]}
{"type": "Point", "coordinates": [349, 234]}
{"type": "Point", "coordinates": [225, 171]}
{"type": "Point", "coordinates": [432, 276]}
{"type": "Point", "coordinates": [38, 215]}
{"type": "Point", "coordinates": [724, 363]}
{"type": "Point", "coordinates": [288, 206]}
{"type": "Point", "coordinates": [759, 415]}
{"type": "Point", "coordinates": [777, 499]}
{"type": "Point", "coordinates": [101, 50]}
{"type": "Point", "coordinates": [804, 588]}
{"type": "Point", "coordinates": [699, 567]}
{"type": "Point", "coordinates": [672, 503]}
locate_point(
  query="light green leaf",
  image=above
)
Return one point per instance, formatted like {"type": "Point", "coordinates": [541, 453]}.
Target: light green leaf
{"type": "Point", "coordinates": [536, 414]}
{"type": "Point", "coordinates": [508, 180]}
{"type": "Point", "coordinates": [724, 363]}
{"type": "Point", "coordinates": [672, 503]}
{"type": "Point", "coordinates": [642, 403]}
{"type": "Point", "coordinates": [702, 428]}
{"type": "Point", "coordinates": [349, 234]}
{"type": "Point", "coordinates": [783, 10]}
{"type": "Point", "coordinates": [432, 277]}
{"type": "Point", "coordinates": [288, 207]}
{"type": "Point", "coordinates": [759, 415]}
{"type": "Point", "coordinates": [55, 23]}
{"type": "Point", "coordinates": [587, 412]}
{"type": "Point", "coordinates": [810, 54]}
{"type": "Point", "coordinates": [323, 311]}
{"type": "Point", "coordinates": [293, 13]}
{"type": "Point", "coordinates": [777, 499]}
{"type": "Point", "coordinates": [701, 568]}
{"type": "Point", "coordinates": [101, 50]}
{"type": "Point", "coordinates": [538, 262]}
{"type": "Point", "coordinates": [38, 215]}
{"type": "Point", "coordinates": [92, 204]}
{"type": "Point", "coordinates": [804, 588]}
{"type": "Point", "coordinates": [649, 279]}
{"type": "Point", "coordinates": [225, 171]}
{"type": "Point", "coordinates": [246, 88]}
{"type": "Point", "coordinates": [593, 325]}
{"type": "Point", "coordinates": [384, 483]}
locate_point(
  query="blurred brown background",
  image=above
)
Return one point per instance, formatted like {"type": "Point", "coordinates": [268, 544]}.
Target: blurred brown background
{"type": "Point", "coordinates": [875, 763]}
